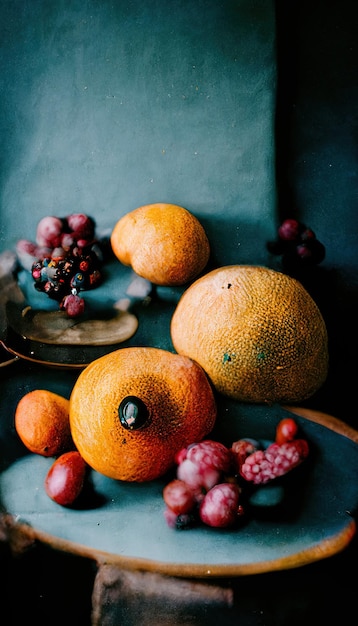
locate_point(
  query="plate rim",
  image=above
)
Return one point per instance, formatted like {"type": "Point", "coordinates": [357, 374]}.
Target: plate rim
{"type": "Point", "coordinates": [322, 550]}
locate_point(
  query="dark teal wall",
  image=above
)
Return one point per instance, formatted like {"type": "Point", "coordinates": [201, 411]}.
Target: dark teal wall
{"type": "Point", "coordinates": [110, 105]}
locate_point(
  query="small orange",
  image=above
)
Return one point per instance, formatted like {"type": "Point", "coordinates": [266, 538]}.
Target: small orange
{"type": "Point", "coordinates": [132, 410]}
{"type": "Point", "coordinates": [256, 332]}
{"type": "Point", "coordinates": [164, 243]}
{"type": "Point", "coordinates": [42, 422]}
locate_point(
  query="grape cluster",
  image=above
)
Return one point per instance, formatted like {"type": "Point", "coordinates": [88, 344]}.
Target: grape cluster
{"type": "Point", "coordinates": [66, 259]}
{"type": "Point", "coordinates": [211, 478]}
{"type": "Point", "coordinates": [298, 245]}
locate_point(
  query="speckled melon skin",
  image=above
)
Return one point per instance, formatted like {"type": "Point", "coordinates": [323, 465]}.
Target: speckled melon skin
{"type": "Point", "coordinates": [256, 332]}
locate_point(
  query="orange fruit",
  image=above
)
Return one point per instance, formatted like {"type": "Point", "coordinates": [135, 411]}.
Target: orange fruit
{"type": "Point", "coordinates": [132, 410]}
{"type": "Point", "coordinates": [42, 422]}
{"type": "Point", "coordinates": [256, 332]}
{"type": "Point", "coordinates": [164, 243]}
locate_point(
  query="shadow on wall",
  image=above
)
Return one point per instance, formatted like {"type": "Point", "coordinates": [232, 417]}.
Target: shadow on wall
{"type": "Point", "coordinates": [317, 170]}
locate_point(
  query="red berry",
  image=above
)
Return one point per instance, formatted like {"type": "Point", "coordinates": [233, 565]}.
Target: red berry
{"type": "Point", "coordinates": [211, 453]}
{"type": "Point", "coordinates": [81, 226]}
{"type": "Point", "coordinates": [179, 497]}
{"type": "Point", "coordinates": [286, 430]}
{"type": "Point", "coordinates": [220, 506]}
{"type": "Point", "coordinates": [73, 305]}
{"type": "Point", "coordinates": [49, 232]}
{"type": "Point", "coordinates": [265, 465]}
{"type": "Point", "coordinates": [198, 476]}
{"type": "Point", "coordinates": [28, 253]}
{"type": "Point", "coordinates": [66, 478]}
{"type": "Point", "coordinates": [203, 464]}
{"type": "Point", "coordinates": [67, 241]}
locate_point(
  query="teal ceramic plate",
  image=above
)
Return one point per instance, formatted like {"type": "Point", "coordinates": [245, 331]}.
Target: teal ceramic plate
{"type": "Point", "coordinates": [123, 523]}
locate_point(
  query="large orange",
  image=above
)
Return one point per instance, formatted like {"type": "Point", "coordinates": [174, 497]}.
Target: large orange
{"type": "Point", "coordinates": [256, 332]}
{"type": "Point", "coordinates": [133, 409]}
{"type": "Point", "coordinates": [164, 243]}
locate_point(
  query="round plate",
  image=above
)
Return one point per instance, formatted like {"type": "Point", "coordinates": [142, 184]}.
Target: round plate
{"type": "Point", "coordinates": [123, 523]}
{"type": "Point", "coordinates": [57, 328]}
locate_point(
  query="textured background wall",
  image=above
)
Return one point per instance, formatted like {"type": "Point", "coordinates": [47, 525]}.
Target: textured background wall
{"type": "Point", "coordinates": [110, 105]}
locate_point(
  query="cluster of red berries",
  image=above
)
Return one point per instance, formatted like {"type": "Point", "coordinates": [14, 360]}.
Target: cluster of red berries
{"type": "Point", "coordinates": [65, 259]}
{"type": "Point", "coordinates": [211, 478]}
{"type": "Point", "coordinates": [298, 245]}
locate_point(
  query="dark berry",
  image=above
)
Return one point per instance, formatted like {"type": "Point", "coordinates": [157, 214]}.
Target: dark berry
{"type": "Point", "coordinates": [307, 235]}
{"type": "Point", "coordinates": [290, 230]}
{"type": "Point", "coordinates": [184, 521]}
{"type": "Point", "coordinates": [55, 290]}
{"type": "Point", "coordinates": [78, 281]}
{"type": "Point", "coordinates": [311, 252]}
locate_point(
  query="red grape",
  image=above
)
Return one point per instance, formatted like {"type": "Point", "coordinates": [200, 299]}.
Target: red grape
{"type": "Point", "coordinates": [49, 232]}
{"type": "Point", "coordinates": [311, 251]}
{"type": "Point", "coordinates": [82, 227]}
{"type": "Point", "coordinates": [179, 497]}
{"type": "Point", "coordinates": [286, 430]}
{"type": "Point", "coordinates": [290, 230]}
{"type": "Point", "coordinates": [66, 478]}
